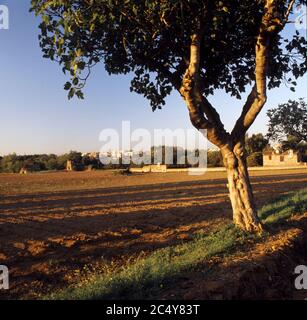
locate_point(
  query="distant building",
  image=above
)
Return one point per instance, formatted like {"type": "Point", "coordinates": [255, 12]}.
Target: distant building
{"type": "Point", "coordinates": [287, 158]}
{"type": "Point", "coordinates": [23, 170]}
{"type": "Point", "coordinates": [69, 165]}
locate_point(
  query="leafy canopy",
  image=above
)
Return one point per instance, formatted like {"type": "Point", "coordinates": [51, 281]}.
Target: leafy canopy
{"type": "Point", "coordinates": [255, 143]}
{"type": "Point", "coordinates": [288, 119]}
{"type": "Point", "coordinates": [152, 40]}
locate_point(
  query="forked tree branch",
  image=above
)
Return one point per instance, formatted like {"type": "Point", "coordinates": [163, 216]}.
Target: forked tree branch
{"type": "Point", "coordinates": [203, 117]}
{"type": "Point", "coordinates": [270, 25]}
{"type": "Point", "coordinates": [202, 114]}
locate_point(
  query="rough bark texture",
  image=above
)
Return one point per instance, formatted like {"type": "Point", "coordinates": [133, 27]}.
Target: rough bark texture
{"type": "Point", "coordinates": [240, 190]}
{"type": "Point", "coordinates": [204, 117]}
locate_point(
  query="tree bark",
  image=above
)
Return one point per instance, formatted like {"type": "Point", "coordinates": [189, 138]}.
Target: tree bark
{"type": "Point", "coordinates": [240, 190]}
{"type": "Point", "coordinates": [204, 117]}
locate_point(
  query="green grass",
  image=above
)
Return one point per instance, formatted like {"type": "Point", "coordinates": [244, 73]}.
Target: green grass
{"type": "Point", "coordinates": [284, 207]}
{"type": "Point", "coordinates": [146, 275]}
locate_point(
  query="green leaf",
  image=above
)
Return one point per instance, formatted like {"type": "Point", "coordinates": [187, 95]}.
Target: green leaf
{"type": "Point", "coordinates": [71, 93]}
{"type": "Point", "coordinates": [80, 94]}
{"type": "Point", "coordinates": [67, 86]}
{"type": "Point", "coordinates": [75, 81]}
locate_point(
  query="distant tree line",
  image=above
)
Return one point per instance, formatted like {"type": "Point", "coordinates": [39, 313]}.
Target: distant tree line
{"type": "Point", "coordinates": [13, 163]}
{"type": "Point", "coordinates": [255, 145]}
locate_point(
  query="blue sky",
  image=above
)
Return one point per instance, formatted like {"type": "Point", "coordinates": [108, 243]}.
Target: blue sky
{"type": "Point", "coordinates": [36, 116]}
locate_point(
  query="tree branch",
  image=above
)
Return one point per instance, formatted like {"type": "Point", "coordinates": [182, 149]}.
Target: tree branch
{"type": "Point", "coordinates": [202, 114]}
{"type": "Point", "coordinates": [212, 114]}
{"type": "Point", "coordinates": [270, 25]}
{"type": "Point", "coordinates": [291, 4]}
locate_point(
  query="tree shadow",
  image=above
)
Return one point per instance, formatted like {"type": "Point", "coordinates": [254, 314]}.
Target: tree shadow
{"type": "Point", "coordinates": [113, 223]}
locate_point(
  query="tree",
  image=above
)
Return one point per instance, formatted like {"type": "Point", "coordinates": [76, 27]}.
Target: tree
{"type": "Point", "coordinates": [51, 163]}
{"type": "Point", "coordinates": [11, 163]}
{"type": "Point", "coordinates": [255, 159]}
{"type": "Point", "coordinates": [193, 47]}
{"type": "Point", "coordinates": [75, 157]}
{"type": "Point", "coordinates": [255, 143]}
{"type": "Point", "coordinates": [288, 120]}
{"type": "Point", "coordinates": [293, 143]}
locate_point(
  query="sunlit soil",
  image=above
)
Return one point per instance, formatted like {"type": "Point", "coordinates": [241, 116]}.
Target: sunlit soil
{"type": "Point", "coordinates": [58, 227]}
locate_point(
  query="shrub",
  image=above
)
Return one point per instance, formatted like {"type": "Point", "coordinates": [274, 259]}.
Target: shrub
{"type": "Point", "coordinates": [215, 159]}
{"type": "Point", "coordinates": [255, 159]}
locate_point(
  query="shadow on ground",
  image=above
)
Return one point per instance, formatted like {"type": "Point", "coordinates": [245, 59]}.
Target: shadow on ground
{"type": "Point", "coordinates": [43, 237]}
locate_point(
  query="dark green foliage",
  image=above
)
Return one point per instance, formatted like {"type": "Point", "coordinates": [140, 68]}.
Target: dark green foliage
{"type": "Point", "coordinates": [293, 143]}
{"type": "Point", "coordinates": [151, 40]}
{"type": "Point", "coordinates": [255, 159]}
{"type": "Point", "coordinates": [51, 163]}
{"type": "Point", "coordinates": [76, 158]}
{"type": "Point", "coordinates": [288, 120]}
{"type": "Point", "coordinates": [255, 143]}
{"type": "Point", "coordinates": [13, 163]}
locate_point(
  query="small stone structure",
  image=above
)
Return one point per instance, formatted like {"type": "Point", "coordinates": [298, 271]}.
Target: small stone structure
{"type": "Point", "coordinates": [279, 159]}
{"type": "Point", "coordinates": [23, 170]}
{"type": "Point", "coordinates": [69, 165]}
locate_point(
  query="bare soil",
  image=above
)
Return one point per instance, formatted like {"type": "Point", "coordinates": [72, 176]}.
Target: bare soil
{"type": "Point", "coordinates": [258, 270]}
{"type": "Point", "coordinates": [56, 228]}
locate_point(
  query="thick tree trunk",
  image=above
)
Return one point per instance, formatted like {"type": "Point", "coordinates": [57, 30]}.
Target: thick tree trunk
{"type": "Point", "coordinates": [240, 190]}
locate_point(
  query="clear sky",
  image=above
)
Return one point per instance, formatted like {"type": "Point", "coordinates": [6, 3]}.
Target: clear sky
{"type": "Point", "coordinates": [36, 116]}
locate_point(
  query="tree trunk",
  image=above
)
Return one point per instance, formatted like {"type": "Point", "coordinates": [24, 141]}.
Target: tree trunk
{"type": "Point", "coordinates": [240, 190]}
